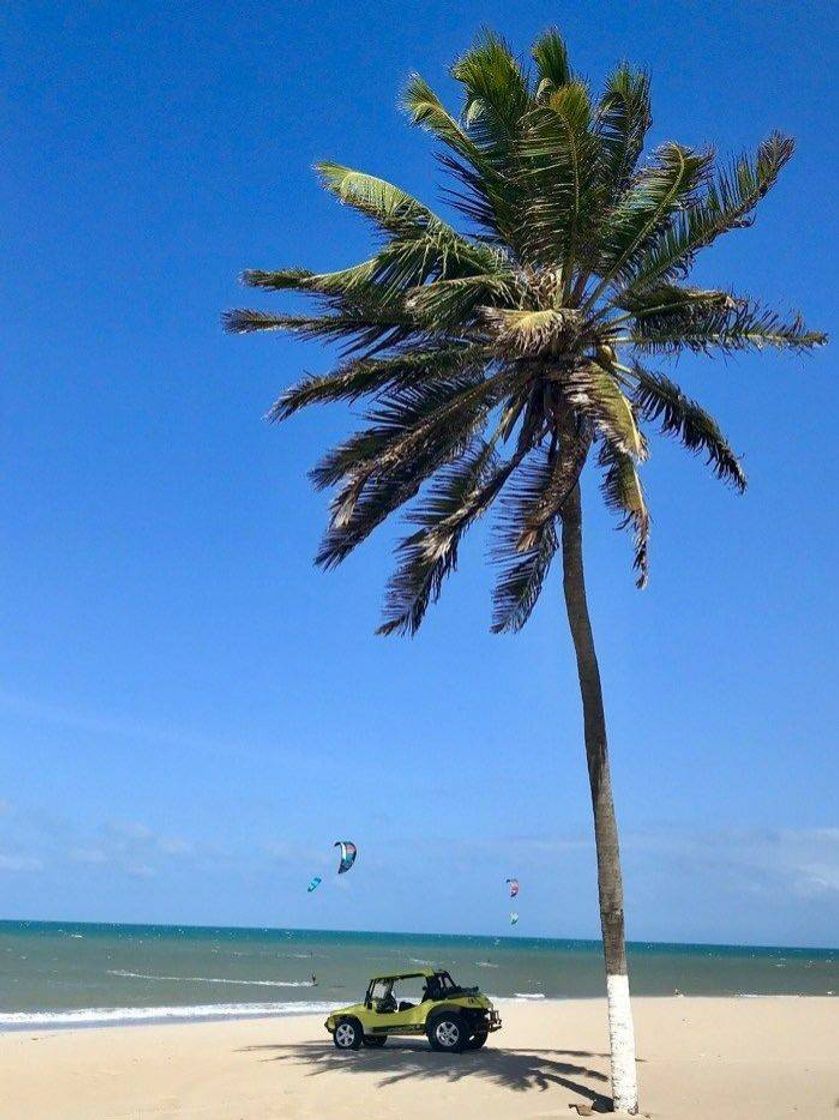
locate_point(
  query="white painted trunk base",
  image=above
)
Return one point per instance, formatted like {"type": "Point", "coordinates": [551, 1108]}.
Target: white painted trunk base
{"type": "Point", "coordinates": [622, 1042]}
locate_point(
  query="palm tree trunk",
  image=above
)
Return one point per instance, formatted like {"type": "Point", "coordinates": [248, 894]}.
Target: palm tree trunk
{"type": "Point", "coordinates": [609, 883]}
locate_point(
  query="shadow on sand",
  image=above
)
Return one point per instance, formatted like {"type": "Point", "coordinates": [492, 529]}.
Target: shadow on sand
{"type": "Point", "coordinates": [404, 1060]}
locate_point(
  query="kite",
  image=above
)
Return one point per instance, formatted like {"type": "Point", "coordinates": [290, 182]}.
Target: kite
{"type": "Point", "coordinates": [514, 887]}
{"type": "Point", "coordinates": [315, 883]}
{"type": "Point", "coordinates": [348, 853]}
{"type": "Point", "coordinates": [514, 918]}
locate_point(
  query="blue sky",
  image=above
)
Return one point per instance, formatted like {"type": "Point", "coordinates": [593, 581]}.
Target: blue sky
{"type": "Point", "coordinates": [190, 713]}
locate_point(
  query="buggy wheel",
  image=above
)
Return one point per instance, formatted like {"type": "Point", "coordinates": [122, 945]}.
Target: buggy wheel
{"type": "Point", "coordinates": [447, 1032]}
{"type": "Point", "coordinates": [348, 1035]}
{"type": "Point", "coordinates": [477, 1040]}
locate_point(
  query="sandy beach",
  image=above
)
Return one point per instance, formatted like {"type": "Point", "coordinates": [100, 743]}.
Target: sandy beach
{"type": "Point", "coordinates": [701, 1059]}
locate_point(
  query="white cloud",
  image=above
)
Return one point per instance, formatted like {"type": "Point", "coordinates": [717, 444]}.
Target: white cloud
{"type": "Point", "coordinates": [139, 870]}
{"type": "Point", "coordinates": [129, 830]}
{"type": "Point", "coordinates": [113, 727]}
{"type": "Point", "coordinates": [88, 855]}
{"type": "Point", "coordinates": [285, 851]}
{"type": "Point", "coordinates": [175, 846]}
{"type": "Point", "coordinates": [20, 863]}
{"type": "Point", "coordinates": [775, 863]}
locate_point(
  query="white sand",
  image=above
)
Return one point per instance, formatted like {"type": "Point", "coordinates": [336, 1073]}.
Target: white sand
{"type": "Point", "coordinates": [700, 1059]}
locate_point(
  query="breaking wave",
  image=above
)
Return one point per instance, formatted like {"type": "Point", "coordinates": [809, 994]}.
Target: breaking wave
{"type": "Point", "coordinates": [101, 1016]}
{"type": "Point", "coordinates": [212, 979]}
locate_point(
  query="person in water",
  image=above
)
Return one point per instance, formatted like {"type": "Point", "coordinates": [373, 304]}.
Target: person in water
{"type": "Point", "coordinates": [314, 980]}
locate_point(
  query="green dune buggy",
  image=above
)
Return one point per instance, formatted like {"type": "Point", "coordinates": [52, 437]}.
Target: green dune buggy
{"type": "Point", "coordinates": [410, 1003]}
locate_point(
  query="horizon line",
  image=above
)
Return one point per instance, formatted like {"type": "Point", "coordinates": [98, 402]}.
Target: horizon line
{"type": "Point", "coordinates": [594, 941]}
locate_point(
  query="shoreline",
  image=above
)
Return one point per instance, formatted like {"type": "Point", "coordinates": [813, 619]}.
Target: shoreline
{"type": "Point", "coordinates": [185, 1016]}
{"type": "Point", "coordinates": [731, 1059]}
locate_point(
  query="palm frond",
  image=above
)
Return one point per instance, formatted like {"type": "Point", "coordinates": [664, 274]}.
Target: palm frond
{"type": "Point", "coordinates": [246, 320]}
{"type": "Point", "coordinates": [421, 244]}
{"type": "Point", "coordinates": [456, 302]}
{"type": "Point", "coordinates": [415, 432]}
{"type": "Point", "coordinates": [427, 111]}
{"type": "Point", "coordinates": [709, 327]}
{"type": "Point", "coordinates": [622, 121]}
{"type": "Point", "coordinates": [660, 300]}
{"type": "Point", "coordinates": [518, 588]}
{"type": "Point", "coordinates": [524, 542]}
{"type": "Point", "coordinates": [388, 206]}
{"type": "Point", "coordinates": [562, 157]}
{"type": "Point", "coordinates": [491, 195]}
{"type": "Point", "coordinates": [728, 204]}
{"type": "Point", "coordinates": [279, 280]}
{"type": "Point", "coordinates": [360, 377]}
{"type": "Point", "coordinates": [405, 420]}
{"type": "Point", "coordinates": [644, 209]}
{"type": "Point", "coordinates": [459, 494]}
{"type": "Point", "coordinates": [530, 333]}
{"type": "Point", "coordinates": [624, 495]}
{"type": "Point", "coordinates": [551, 57]}
{"type": "Point", "coordinates": [660, 400]}
{"type": "Point", "coordinates": [597, 395]}
{"type": "Point", "coordinates": [365, 326]}
{"type": "Point", "coordinates": [380, 278]}
{"type": "Point", "coordinates": [566, 464]}
{"type": "Point", "coordinates": [496, 94]}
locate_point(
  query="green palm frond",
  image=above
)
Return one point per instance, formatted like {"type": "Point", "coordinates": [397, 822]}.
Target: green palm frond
{"type": "Point", "coordinates": [660, 399]}
{"type": "Point", "coordinates": [622, 121]}
{"type": "Point", "coordinates": [489, 197]}
{"type": "Point", "coordinates": [388, 206]}
{"type": "Point", "coordinates": [662, 299]}
{"type": "Point", "coordinates": [427, 111]}
{"type": "Point", "coordinates": [728, 204]}
{"type": "Point", "coordinates": [280, 280]}
{"type": "Point", "coordinates": [551, 57]}
{"type": "Point", "coordinates": [562, 159]}
{"type": "Point", "coordinates": [415, 229]}
{"type": "Point", "coordinates": [452, 303]}
{"type": "Point", "coordinates": [709, 327]}
{"type": "Point", "coordinates": [496, 94]}
{"type": "Point", "coordinates": [246, 320]}
{"type": "Point", "coordinates": [358, 328]}
{"type": "Point", "coordinates": [654, 195]}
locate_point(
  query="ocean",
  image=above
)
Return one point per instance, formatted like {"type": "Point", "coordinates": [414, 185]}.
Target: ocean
{"type": "Point", "coordinates": [55, 974]}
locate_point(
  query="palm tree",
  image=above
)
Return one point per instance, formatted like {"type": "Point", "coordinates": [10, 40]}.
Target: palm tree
{"type": "Point", "coordinates": [498, 359]}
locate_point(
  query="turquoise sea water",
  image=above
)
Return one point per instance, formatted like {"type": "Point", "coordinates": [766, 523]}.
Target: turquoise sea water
{"type": "Point", "coordinates": [58, 974]}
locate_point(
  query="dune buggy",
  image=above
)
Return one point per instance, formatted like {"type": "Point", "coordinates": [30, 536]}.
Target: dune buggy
{"type": "Point", "coordinates": [410, 1003]}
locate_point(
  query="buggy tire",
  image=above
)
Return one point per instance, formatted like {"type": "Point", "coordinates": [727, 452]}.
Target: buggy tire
{"type": "Point", "coordinates": [348, 1035]}
{"type": "Point", "coordinates": [477, 1040]}
{"type": "Point", "coordinates": [375, 1041]}
{"type": "Point", "coordinates": [447, 1032]}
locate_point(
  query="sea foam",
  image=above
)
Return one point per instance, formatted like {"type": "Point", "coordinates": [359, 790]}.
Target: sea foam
{"type": "Point", "coordinates": [212, 979]}
{"type": "Point", "coordinates": [99, 1016]}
